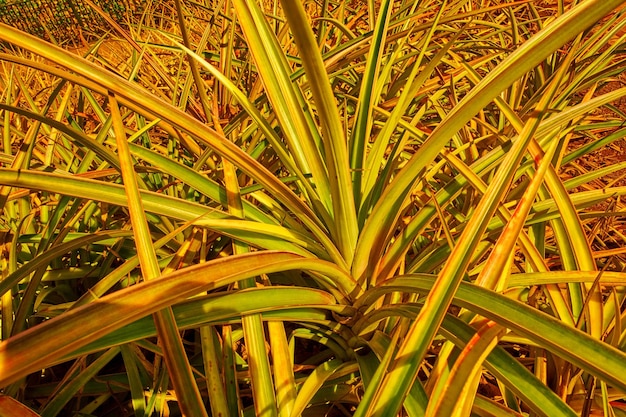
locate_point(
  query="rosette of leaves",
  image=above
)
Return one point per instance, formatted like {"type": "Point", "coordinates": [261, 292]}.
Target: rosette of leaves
{"type": "Point", "coordinates": [355, 209]}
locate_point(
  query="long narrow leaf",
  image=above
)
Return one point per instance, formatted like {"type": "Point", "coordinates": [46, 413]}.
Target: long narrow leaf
{"type": "Point", "coordinates": [25, 353]}
{"type": "Point", "coordinates": [332, 131]}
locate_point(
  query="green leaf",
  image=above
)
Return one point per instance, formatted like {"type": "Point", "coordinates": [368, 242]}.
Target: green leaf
{"type": "Point", "coordinates": [188, 395]}
{"type": "Point", "coordinates": [134, 380]}
{"type": "Point", "coordinates": [284, 96]}
{"type": "Point", "coordinates": [64, 334]}
{"type": "Point", "coordinates": [592, 355]}
{"type": "Point", "coordinates": [462, 381]}
{"type": "Point", "coordinates": [56, 403]}
{"type": "Point", "coordinates": [315, 381]}
{"type": "Point", "coordinates": [261, 235]}
{"type": "Point", "coordinates": [336, 155]}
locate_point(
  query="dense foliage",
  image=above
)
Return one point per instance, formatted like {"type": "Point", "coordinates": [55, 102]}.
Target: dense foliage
{"type": "Point", "coordinates": [316, 208]}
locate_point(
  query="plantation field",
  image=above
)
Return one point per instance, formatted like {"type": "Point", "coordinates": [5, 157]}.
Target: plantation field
{"type": "Point", "coordinates": [288, 208]}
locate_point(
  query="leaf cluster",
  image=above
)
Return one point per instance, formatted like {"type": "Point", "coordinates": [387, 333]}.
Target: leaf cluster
{"type": "Point", "coordinates": [300, 209]}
